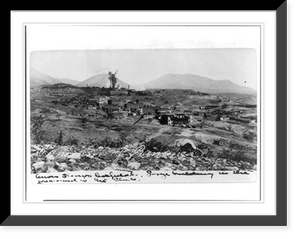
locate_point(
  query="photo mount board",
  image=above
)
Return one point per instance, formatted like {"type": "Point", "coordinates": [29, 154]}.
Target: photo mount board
{"type": "Point", "coordinates": [284, 52]}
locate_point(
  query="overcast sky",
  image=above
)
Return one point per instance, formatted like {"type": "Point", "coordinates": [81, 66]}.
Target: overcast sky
{"type": "Point", "coordinates": [140, 66]}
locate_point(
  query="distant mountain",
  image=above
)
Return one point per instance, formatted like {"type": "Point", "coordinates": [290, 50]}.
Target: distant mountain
{"type": "Point", "coordinates": [195, 82]}
{"type": "Point", "coordinates": [59, 86]}
{"type": "Point", "coordinates": [38, 78]}
{"type": "Point", "coordinates": [100, 80]}
{"type": "Point", "coordinates": [68, 81]}
{"type": "Point", "coordinates": [35, 82]}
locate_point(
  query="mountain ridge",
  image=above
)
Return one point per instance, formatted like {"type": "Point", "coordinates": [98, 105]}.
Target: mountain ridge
{"type": "Point", "coordinates": [167, 81]}
{"type": "Point", "coordinates": [38, 78]}
{"type": "Point", "coordinates": [195, 82]}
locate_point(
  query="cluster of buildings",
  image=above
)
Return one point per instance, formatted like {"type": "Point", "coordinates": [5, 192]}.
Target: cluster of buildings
{"type": "Point", "coordinates": [165, 115]}
{"type": "Point", "coordinates": [133, 107]}
{"type": "Point", "coordinates": [81, 100]}
{"type": "Point", "coordinates": [120, 103]}
{"type": "Point", "coordinates": [121, 107]}
{"type": "Point", "coordinates": [175, 118]}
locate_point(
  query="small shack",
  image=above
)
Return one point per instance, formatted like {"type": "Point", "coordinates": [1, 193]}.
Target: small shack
{"type": "Point", "coordinates": [221, 142]}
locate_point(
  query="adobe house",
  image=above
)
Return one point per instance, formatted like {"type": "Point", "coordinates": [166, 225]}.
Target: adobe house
{"type": "Point", "coordinates": [221, 142]}
{"type": "Point", "coordinates": [133, 105]}
{"type": "Point", "coordinates": [110, 108]}
{"type": "Point", "coordinates": [103, 100]}
{"type": "Point", "coordinates": [115, 102]}
{"type": "Point", "coordinates": [171, 119]}
{"type": "Point", "coordinates": [149, 110]}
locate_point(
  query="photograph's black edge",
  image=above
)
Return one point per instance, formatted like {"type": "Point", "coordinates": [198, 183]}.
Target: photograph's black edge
{"type": "Point", "coordinates": [205, 6]}
{"type": "Point", "coordinates": [280, 219]}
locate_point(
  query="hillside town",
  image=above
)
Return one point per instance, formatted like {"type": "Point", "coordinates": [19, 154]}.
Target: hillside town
{"type": "Point", "coordinates": [178, 121]}
{"type": "Point", "coordinates": [122, 103]}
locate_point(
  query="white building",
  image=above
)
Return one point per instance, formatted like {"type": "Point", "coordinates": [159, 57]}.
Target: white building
{"type": "Point", "coordinates": [103, 100]}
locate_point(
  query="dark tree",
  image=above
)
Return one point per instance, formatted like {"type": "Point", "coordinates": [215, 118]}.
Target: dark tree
{"type": "Point", "coordinates": [83, 121]}
{"type": "Point", "coordinates": [59, 139]}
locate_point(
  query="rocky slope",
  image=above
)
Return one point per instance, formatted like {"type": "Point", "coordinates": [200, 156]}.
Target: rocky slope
{"type": "Point", "coordinates": [51, 158]}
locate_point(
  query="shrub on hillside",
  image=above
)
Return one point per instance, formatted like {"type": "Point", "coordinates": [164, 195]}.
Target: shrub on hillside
{"type": "Point", "coordinates": [71, 141]}
{"type": "Point", "coordinates": [155, 146]}
{"type": "Point", "coordinates": [36, 129]}
{"type": "Point", "coordinates": [249, 135]}
{"type": "Point", "coordinates": [59, 139]}
{"type": "Point", "coordinates": [237, 155]}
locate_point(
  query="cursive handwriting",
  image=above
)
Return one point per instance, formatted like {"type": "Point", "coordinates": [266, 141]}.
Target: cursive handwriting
{"type": "Point", "coordinates": [99, 180]}
{"type": "Point", "coordinates": [162, 175]}
{"type": "Point", "coordinates": [38, 176]}
{"type": "Point", "coordinates": [124, 179]}
{"type": "Point", "coordinates": [97, 175]}
{"type": "Point", "coordinates": [122, 175]}
{"type": "Point", "coordinates": [223, 173]}
{"type": "Point", "coordinates": [64, 175]}
{"type": "Point", "coordinates": [239, 172]}
{"type": "Point", "coordinates": [191, 173]}
{"type": "Point", "coordinates": [57, 181]}
{"type": "Point", "coordinates": [118, 177]}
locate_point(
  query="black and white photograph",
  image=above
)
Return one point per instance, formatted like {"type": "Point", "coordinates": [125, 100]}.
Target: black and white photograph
{"type": "Point", "coordinates": [160, 113]}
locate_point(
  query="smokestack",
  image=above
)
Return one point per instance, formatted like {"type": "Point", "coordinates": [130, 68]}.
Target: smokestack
{"type": "Point", "coordinates": [128, 87]}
